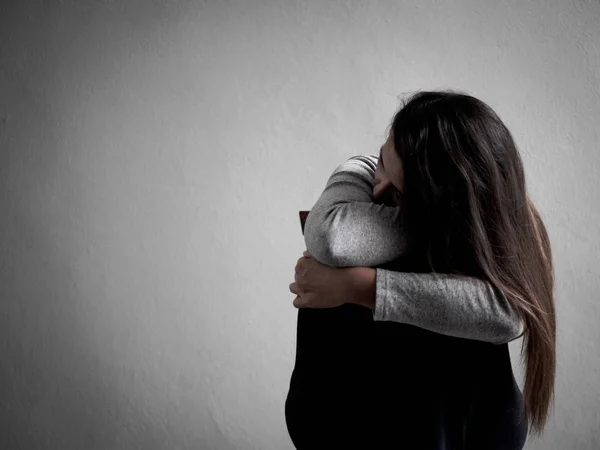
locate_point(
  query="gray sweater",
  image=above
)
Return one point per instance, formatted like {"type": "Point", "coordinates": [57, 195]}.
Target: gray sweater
{"type": "Point", "coordinates": [346, 229]}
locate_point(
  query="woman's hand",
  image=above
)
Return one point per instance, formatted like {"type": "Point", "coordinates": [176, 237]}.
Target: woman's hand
{"type": "Point", "coordinates": [317, 285]}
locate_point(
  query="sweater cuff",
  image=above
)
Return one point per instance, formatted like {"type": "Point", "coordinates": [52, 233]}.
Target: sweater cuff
{"type": "Point", "coordinates": [379, 313]}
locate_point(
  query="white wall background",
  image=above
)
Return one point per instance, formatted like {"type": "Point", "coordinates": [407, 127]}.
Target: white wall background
{"type": "Point", "coordinates": [154, 155]}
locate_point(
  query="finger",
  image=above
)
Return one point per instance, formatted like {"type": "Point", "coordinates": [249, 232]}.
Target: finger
{"type": "Point", "coordinates": [306, 254]}
{"type": "Point", "coordinates": [301, 262]}
{"type": "Point", "coordinates": [299, 302]}
{"type": "Point", "coordinates": [294, 288]}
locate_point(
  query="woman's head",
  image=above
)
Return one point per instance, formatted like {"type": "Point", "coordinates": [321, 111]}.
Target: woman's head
{"type": "Point", "coordinates": [467, 211]}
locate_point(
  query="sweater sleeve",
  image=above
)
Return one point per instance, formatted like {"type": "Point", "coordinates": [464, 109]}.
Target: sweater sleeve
{"type": "Point", "coordinates": [345, 228]}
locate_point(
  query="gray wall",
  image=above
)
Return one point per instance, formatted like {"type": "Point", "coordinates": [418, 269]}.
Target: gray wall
{"type": "Point", "coordinates": [153, 159]}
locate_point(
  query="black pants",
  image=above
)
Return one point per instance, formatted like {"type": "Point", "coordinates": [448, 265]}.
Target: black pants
{"type": "Point", "coordinates": [381, 385]}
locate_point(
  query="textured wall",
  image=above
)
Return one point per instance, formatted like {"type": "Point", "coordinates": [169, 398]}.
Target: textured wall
{"type": "Point", "coordinates": [153, 159]}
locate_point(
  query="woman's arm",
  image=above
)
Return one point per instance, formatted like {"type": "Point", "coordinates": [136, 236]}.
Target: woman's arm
{"type": "Point", "coordinates": [346, 229]}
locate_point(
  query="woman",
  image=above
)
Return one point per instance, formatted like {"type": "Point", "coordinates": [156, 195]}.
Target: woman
{"type": "Point", "coordinates": [422, 370]}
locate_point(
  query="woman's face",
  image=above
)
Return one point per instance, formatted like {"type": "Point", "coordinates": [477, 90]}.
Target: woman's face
{"type": "Point", "coordinates": [389, 179]}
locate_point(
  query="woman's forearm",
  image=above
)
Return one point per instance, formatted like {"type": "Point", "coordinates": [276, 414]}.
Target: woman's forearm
{"type": "Point", "coordinates": [345, 228]}
{"type": "Point", "coordinates": [453, 305]}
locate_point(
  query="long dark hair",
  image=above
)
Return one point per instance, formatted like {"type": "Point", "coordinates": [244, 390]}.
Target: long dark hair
{"type": "Point", "coordinates": [468, 212]}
